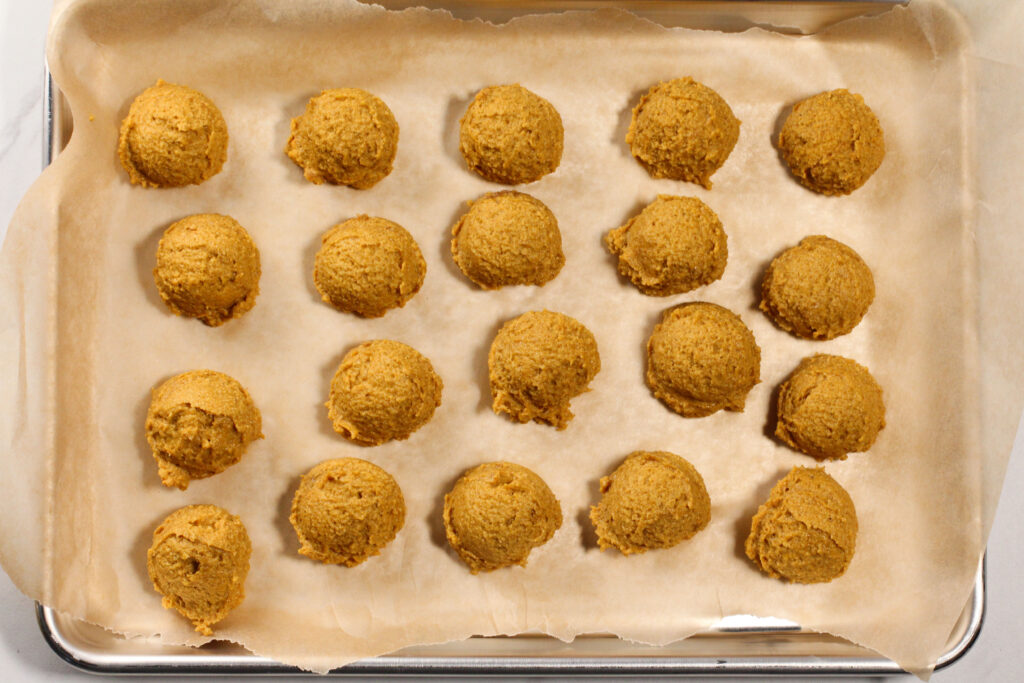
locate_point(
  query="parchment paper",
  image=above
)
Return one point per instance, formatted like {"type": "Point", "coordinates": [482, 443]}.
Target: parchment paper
{"type": "Point", "coordinates": [86, 336]}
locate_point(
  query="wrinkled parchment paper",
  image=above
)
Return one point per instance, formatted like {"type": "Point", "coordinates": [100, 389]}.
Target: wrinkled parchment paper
{"type": "Point", "coordinates": [85, 337]}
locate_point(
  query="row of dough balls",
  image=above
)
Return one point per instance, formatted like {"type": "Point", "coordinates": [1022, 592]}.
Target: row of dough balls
{"type": "Point", "coordinates": [680, 130]}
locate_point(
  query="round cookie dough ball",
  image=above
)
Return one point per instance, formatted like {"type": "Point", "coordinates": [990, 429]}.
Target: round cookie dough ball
{"type": "Point", "coordinates": [346, 510]}
{"type": "Point", "coordinates": [674, 245]}
{"type": "Point", "coordinates": [682, 130]}
{"type": "Point", "coordinates": [652, 500]}
{"type": "Point", "coordinates": [701, 358]}
{"type": "Point", "coordinates": [173, 136]}
{"type": "Point", "coordinates": [832, 142]}
{"type": "Point", "coordinates": [539, 362]}
{"type": "Point", "coordinates": [200, 423]}
{"type": "Point", "coordinates": [345, 137]}
{"type": "Point", "coordinates": [497, 513]}
{"type": "Point", "coordinates": [830, 406]}
{"type": "Point", "coordinates": [510, 135]}
{"type": "Point", "coordinates": [819, 289]}
{"type": "Point", "coordinates": [368, 266]}
{"type": "Point", "coordinates": [198, 561]}
{"type": "Point", "coordinates": [508, 238]}
{"type": "Point", "coordinates": [207, 267]}
{"type": "Point", "coordinates": [383, 390]}
{"type": "Point", "coordinates": [806, 531]}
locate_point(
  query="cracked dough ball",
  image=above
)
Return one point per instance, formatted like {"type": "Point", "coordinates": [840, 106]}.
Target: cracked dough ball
{"type": "Point", "coordinates": [806, 531]}
{"type": "Point", "coordinates": [819, 289]}
{"type": "Point", "coordinates": [652, 500]}
{"type": "Point", "coordinates": [383, 390]}
{"type": "Point", "coordinates": [539, 362]}
{"type": "Point", "coordinates": [508, 238]}
{"type": "Point", "coordinates": [200, 423]}
{"type": "Point", "coordinates": [674, 245]}
{"type": "Point", "coordinates": [346, 510]}
{"type": "Point", "coordinates": [198, 561]}
{"type": "Point", "coordinates": [701, 358]}
{"type": "Point", "coordinates": [497, 513]}
{"type": "Point", "coordinates": [346, 136]}
{"type": "Point", "coordinates": [682, 130]}
{"type": "Point", "coordinates": [173, 136]}
{"type": "Point", "coordinates": [207, 267]}
{"type": "Point", "coordinates": [832, 142]}
{"type": "Point", "coordinates": [830, 406]}
{"type": "Point", "coordinates": [368, 266]}
{"type": "Point", "coordinates": [510, 135]}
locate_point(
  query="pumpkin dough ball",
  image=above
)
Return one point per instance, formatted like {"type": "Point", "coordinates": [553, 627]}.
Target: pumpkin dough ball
{"type": "Point", "coordinates": [510, 135]}
{"type": "Point", "coordinates": [701, 358]}
{"type": "Point", "coordinates": [806, 531]}
{"type": "Point", "coordinates": [539, 362]}
{"type": "Point", "coordinates": [830, 406]}
{"type": "Point", "coordinates": [368, 266]}
{"type": "Point", "coordinates": [508, 238]}
{"type": "Point", "coordinates": [200, 423]}
{"type": "Point", "coordinates": [173, 136]}
{"type": "Point", "coordinates": [345, 137]}
{"type": "Point", "coordinates": [198, 561]}
{"type": "Point", "coordinates": [832, 142]}
{"type": "Point", "coordinates": [497, 513]}
{"type": "Point", "coordinates": [383, 390]}
{"type": "Point", "coordinates": [652, 500]}
{"type": "Point", "coordinates": [674, 245]}
{"type": "Point", "coordinates": [346, 510]}
{"type": "Point", "coordinates": [682, 130]}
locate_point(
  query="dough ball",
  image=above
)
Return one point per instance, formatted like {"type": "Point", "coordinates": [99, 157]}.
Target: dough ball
{"type": "Point", "coordinates": [383, 390]}
{"type": "Point", "coordinates": [701, 358]}
{"type": "Point", "coordinates": [539, 362]}
{"type": "Point", "coordinates": [497, 513]}
{"type": "Point", "coordinates": [510, 135]}
{"type": "Point", "coordinates": [207, 267]}
{"type": "Point", "coordinates": [652, 500]}
{"type": "Point", "coordinates": [173, 136]}
{"type": "Point", "coordinates": [345, 137]}
{"type": "Point", "coordinates": [200, 423]}
{"type": "Point", "coordinates": [346, 510]}
{"type": "Point", "coordinates": [674, 245]}
{"type": "Point", "coordinates": [830, 406]}
{"type": "Point", "coordinates": [508, 238]}
{"type": "Point", "coordinates": [368, 266]}
{"type": "Point", "coordinates": [806, 531]}
{"type": "Point", "coordinates": [198, 561]}
{"type": "Point", "coordinates": [832, 142]}
{"type": "Point", "coordinates": [682, 130]}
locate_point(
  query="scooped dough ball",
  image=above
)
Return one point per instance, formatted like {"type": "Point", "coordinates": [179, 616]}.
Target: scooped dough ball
{"type": "Point", "coordinates": [207, 267]}
{"type": "Point", "coordinates": [198, 561]}
{"type": "Point", "coordinates": [497, 513]}
{"type": "Point", "coordinates": [682, 130]}
{"type": "Point", "coordinates": [508, 238]}
{"type": "Point", "coordinates": [368, 266]}
{"type": "Point", "coordinates": [345, 137]}
{"type": "Point", "coordinates": [830, 406]}
{"type": "Point", "coordinates": [832, 142]}
{"type": "Point", "coordinates": [674, 245]}
{"type": "Point", "coordinates": [346, 510]}
{"type": "Point", "coordinates": [806, 531]}
{"type": "Point", "coordinates": [652, 500]}
{"type": "Point", "coordinates": [538, 363]}
{"type": "Point", "coordinates": [510, 135]}
{"type": "Point", "coordinates": [173, 136]}
{"type": "Point", "coordinates": [383, 390]}
{"type": "Point", "coordinates": [701, 358]}
{"type": "Point", "coordinates": [200, 423]}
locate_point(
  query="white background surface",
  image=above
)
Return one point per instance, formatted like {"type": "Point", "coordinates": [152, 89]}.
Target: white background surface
{"type": "Point", "coordinates": [24, 656]}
